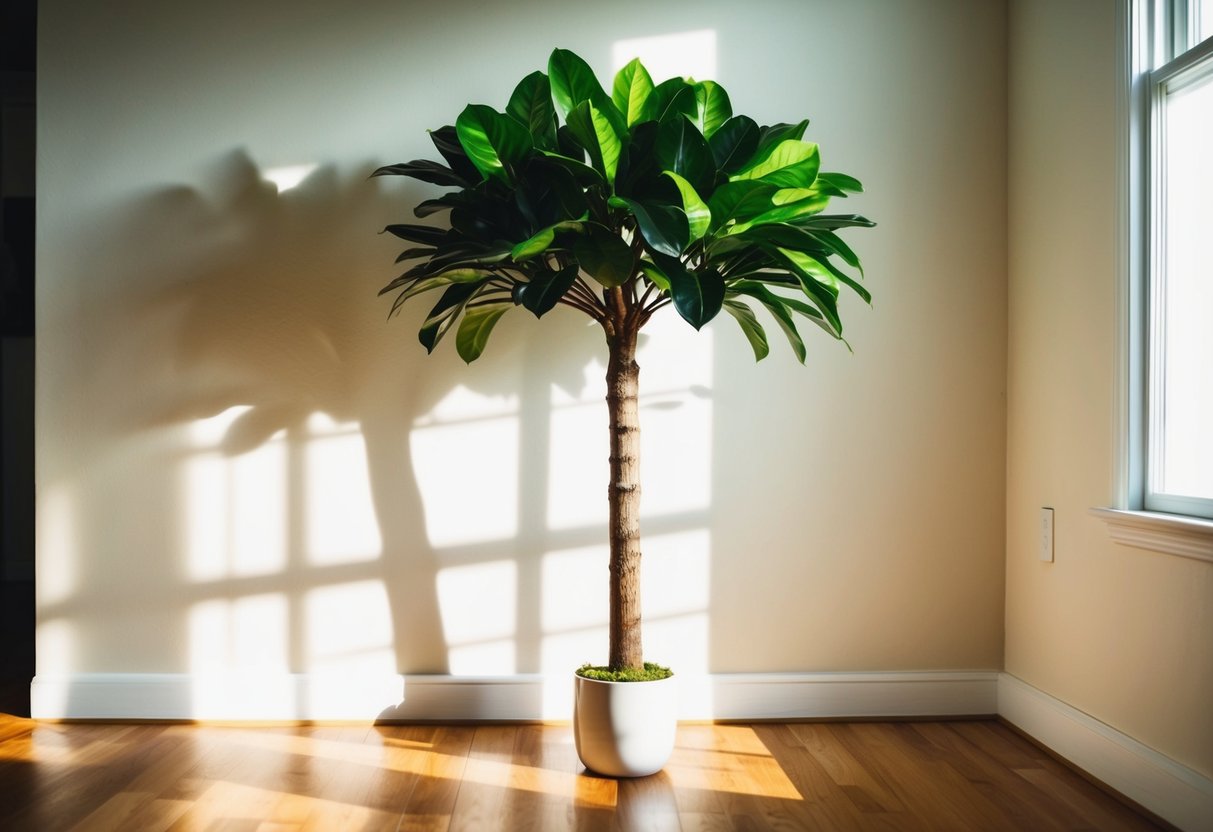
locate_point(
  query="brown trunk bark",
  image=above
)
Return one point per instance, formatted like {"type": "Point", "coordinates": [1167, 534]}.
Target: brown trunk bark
{"type": "Point", "coordinates": [624, 496]}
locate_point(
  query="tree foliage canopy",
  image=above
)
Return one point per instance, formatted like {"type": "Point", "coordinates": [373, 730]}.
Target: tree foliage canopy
{"type": "Point", "coordinates": [657, 190]}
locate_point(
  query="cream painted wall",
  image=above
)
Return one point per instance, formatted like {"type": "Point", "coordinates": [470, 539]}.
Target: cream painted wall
{"type": "Point", "coordinates": [848, 515]}
{"type": "Point", "coordinates": [1123, 634]}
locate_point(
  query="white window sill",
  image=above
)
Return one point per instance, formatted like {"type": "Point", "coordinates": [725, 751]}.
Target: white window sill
{"type": "Point", "coordinates": [1172, 534]}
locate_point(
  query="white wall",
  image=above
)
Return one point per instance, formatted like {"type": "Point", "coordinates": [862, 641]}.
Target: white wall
{"type": "Point", "coordinates": [847, 515]}
{"type": "Point", "coordinates": [1123, 634]}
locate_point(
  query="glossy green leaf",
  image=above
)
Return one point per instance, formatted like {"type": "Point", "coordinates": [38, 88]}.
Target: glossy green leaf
{"type": "Point", "coordinates": [820, 242]}
{"type": "Point", "coordinates": [426, 234]}
{"type": "Point", "coordinates": [775, 305]}
{"type": "Point", "coordinates": [531, 106]}
{"type": "Point", "coordinates": [445, 312]}
{"type": "Point", "coordinates": [414, 286]}
{"type": "Point", "coordinates": [823, 272]}
{"type": "Point", "coordinates": [773, 134]}
{"type": "Point", "coordinates": [843, 182]}
{"type": "Point", "coordinates": [475, 328]}
{"type": "Point", "coordinates": [790, 164]}
{"type": "Point", "coordinates": [698, 296]}
{"type": "Point", "coordinates": [831, 222]}
{"type": "Point", "coordinates": [790, 212]}
{"type": "Point", "coordinates": [446, 139]}
{"type": "Point", "coordinates": [638, 174]}
{"type": "Point", "coordinates": [733, 143]}
{"type": "Point", "coordinates": [819, 285]}
{"type": "Point", "coordinates": [545, 290]}
{"type": "Point", "coordinates": [414, 253]}
{"type": "Point", "coordinates": [425, 170]}
{"type": "Point", "coordinates": [712, 105]}
{"type": "Point", "coordinates": [495, 143]}
{"type": "Point", "coordinates": [582, 173]}
{"type": "Point", "coordinates": [604, 255]}
{"type": "Point", "coordinates": [805, 266]}
{"type": "Point", "coordinates": [574, 82]}
{"type": "Point", "coordinates": [595, 133]}
{"type": "Point", "coordinates": [835, 245]}
{"type": "Point", "coordinates": [670, 98]}
{"type": "Point", "coordinates": [654, 274]}
{"type": "Point", "coordinates": [753, 330]}
{"type": "Point", "coordinates": [541, 241]}
{"type": "Point", "coordinates": [664, 227]}
{"type": "Point", "coordinates": [680, 147]}
{"type": "Point", "coordinates": [631, 90]}
{"type": "Point", "coordinates": [739, 201]}
{"type": "Point", "coordinates": [699, 216]}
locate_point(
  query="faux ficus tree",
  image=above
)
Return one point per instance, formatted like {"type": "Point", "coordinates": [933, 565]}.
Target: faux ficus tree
{"type": "Point", "coordinates": [617, 206]}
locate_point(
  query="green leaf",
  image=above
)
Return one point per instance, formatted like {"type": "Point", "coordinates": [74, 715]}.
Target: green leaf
{"type": "Point", "coordinates": [474, 329]}
{"type": "Point", "coordinates": [753, 330]}
{"type": "Point", "coordinates": [830, 222]}
{"type": "Point", "coordinates": [573, 82]}
{"type": "Point", "coordinates": [739, 201]}
{"type": "Point", "coordinates": [595, 133]}
{"type": "Point", "coordinates": [604, 255]}
{"type": "Point", "coordinates": [835, 245]}
{"type": "Point", "coordinates": [770, 136]}
{"type": "Point", "coordinates": [713, 106]}
{"type": "Point", "coordinates": [447, 141]}
{"type": "Point", "coordinates": [699, 216]}
{"type": "Point", "coordinates": [775, 305]}
{"type": "Point", "coordinates": [824, 273]}
{"type": "Point", "coordinates": [445, 312]}
{"type": "Point", "coordinates": [790, 164]}
{"type": "Point", "coordinates": [419, 285]}
{"type": "Point", "coordinates": [426, 171]}
{"type": "Point", "coordinates": [664, 227]}
{"type": "Point", "coordinates": [495, 143]}
{"type": "Point", "coordinates": [790, 212]}
{"type": "Point", "coordinates": [843, 182]}
{"type": "Point", "coordinates": [654, 274]}
{"type": "Point", "coordinates": [680, 147]}
{"type": "Point", "coordinates": [426, 234]}
{"type": "Point", "coordinates": [733, 143]}
{"type": "Point", "coordinates": [585, 175]}
{"type": "Point", "coordinates": [631, 90]}
{"type": "Point", "coordinates": [668, 99]}
{"type": "Point", "coordinates": [698, 297]}
{"type": "Point", "coordinates": [545, 290]}
{"type": "Point", "coordinates": [541, 240]}
{"type": "Point", "coordinates": [531, 106]}
{"type": "Point", "coordinates": [807, 267]}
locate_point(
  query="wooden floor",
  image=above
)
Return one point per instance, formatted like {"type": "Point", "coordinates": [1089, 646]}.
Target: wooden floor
{"type": "Point", "coordinates": [880, 776]}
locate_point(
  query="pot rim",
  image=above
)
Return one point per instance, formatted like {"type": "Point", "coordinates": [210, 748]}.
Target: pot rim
{"type": "Point", "coordinates": [581, 678]}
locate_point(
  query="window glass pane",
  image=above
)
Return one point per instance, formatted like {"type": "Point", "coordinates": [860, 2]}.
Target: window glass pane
{"type": "Point", "coordinates": [1186, 366]}
{"type": "Point", "coordinates": [1204, 19]}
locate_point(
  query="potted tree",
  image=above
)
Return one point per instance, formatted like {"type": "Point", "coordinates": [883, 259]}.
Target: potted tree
{"type": "Point", "coordinates": [617, 206]}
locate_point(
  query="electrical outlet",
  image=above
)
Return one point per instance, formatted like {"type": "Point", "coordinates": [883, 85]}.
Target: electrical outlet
{"type": "Point", "coordinates": [1046, 535]}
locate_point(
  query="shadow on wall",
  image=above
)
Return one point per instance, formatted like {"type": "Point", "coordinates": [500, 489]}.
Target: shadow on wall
{"type": "Point", "coordinates": [241, 437]}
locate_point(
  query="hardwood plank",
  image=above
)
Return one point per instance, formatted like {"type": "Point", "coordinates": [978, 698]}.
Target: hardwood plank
{"type": "Point", "coordinates": [885, 777]}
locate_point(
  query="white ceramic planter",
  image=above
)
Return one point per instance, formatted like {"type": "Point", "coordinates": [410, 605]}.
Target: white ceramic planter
{"type": "Point", "coordinates": [624, 729]}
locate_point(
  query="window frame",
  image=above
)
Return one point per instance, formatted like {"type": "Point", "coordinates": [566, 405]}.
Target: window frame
{"type": "Point", "coordinates": [1160, 54]}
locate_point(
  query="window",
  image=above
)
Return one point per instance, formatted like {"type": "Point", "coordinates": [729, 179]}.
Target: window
{"type": "Point", "coordinates": [1171, 258]}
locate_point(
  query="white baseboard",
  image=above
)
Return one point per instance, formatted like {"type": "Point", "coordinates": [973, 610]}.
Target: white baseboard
{"type": "Point", "coordinates": [523, 697]}
{"type": "Point", "coordinates": [1169, 789]}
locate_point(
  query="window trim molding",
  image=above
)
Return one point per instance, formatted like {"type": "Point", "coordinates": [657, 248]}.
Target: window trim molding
{"type": "Point", "coordinates": [1138, 89]}
{"type": "Point", "coordinates": [1128, 520]}
{"type": "Point", "coordinates": [1171, 534]}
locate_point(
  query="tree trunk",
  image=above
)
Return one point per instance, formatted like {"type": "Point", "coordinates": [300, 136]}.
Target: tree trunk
{"type": "Point", "coordinates": [622, 378]}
